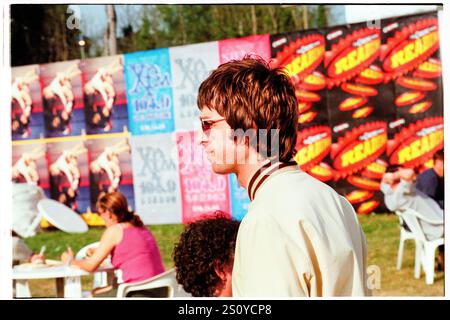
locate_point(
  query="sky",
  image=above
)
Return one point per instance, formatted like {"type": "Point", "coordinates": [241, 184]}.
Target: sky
{"type": "Point", "coordinates": [93, 17]}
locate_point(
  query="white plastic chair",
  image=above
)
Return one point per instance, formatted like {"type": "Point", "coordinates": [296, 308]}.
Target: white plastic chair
{"type": "Point", "coordinates": [425, 249]}
{"type": "Point", "coordinates": [100, 278]}
{"type": "Point", "coordinates": [165, 279]}
{"type": "Point", "coordinates": [404, 235]}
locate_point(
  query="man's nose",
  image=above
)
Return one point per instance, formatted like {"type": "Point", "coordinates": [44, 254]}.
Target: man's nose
{"type": "Point", "coordinates": [201, 137]}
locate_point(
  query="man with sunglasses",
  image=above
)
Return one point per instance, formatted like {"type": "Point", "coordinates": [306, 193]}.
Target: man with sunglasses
{"type": "Point", "coordinates": [299, 237]}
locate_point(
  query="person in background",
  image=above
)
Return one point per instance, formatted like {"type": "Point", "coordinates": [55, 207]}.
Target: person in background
{"type": "Point", "coordinates": [131, 245]}
{"type": "Point", "coordinates": [400, 192]}
{"type": "Point", "coordinates": [204, 256]}
{"type": "Point", "coordinates": [431, 181]}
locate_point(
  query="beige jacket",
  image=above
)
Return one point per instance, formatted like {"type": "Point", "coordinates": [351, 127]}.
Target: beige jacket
{"type": "Point", "coordinates": [299, 239]}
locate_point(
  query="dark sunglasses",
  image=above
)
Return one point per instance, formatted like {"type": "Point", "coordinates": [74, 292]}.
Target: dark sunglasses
{"type": "Point", "coordinates": [207, 124]}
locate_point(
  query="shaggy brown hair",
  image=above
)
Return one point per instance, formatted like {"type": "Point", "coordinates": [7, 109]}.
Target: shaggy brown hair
{"type": "Point", "coordinates": [251, 95]}
{"type": "Point", "coordinates": [203, 245]}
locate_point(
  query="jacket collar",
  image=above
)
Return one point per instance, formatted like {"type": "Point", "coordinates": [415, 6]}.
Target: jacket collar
{"type": "Point", "coordinates": [268, 169]}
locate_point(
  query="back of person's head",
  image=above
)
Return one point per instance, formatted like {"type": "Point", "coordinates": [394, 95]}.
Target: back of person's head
{"type": "Point", "coordinates": [116, 203]}
{"type": "Point", "coordinates": [393, 168]}
{"type": "Point", "coordinates": [439, 155]}
{"type": "Point", "coordinates": [252, 96]}
{"type": "Point", "coordinates": [205, 246]}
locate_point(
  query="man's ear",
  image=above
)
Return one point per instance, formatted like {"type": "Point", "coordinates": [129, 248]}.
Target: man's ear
{"type": "Point", "coordinates": [220, 271]}
{"type": "Point", "coordinates": [110, 215]}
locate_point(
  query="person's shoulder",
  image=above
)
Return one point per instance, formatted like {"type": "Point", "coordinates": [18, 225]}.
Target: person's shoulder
{"type": "Point", "coordinates": [113, 232]}
{"type": "Point", "coordinates": [427, 175]}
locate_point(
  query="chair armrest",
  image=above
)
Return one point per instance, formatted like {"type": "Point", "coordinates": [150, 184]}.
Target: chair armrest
{"type": "Point", "coordinates": [425, 219]}
{"type": "Point", "coordinates": [123, 286]}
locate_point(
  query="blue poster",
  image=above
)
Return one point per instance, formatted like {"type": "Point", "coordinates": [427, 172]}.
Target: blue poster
{"type": "Point", "coordinates": [149, 92]}
{"type": "Point", "coordinates": [239, 199]}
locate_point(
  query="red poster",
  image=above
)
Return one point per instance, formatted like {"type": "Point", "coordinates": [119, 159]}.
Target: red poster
{"type": "Point", "coordinates": [231, 49]}
{"type": "Point", "coordinates": [202, 191]}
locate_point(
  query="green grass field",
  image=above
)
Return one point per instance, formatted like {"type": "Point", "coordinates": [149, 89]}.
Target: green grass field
{"type": "Point", "coordinates": [382, 232]}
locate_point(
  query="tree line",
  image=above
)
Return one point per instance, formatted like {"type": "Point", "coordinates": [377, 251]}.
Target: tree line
{"type": "Point", "coordinates": [39, 33]}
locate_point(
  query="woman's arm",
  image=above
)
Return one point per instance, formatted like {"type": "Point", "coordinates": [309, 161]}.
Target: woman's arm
{"type": "Point", "coordinates": [107, 243]}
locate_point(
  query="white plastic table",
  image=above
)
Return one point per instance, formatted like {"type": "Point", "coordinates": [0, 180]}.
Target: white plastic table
{"type": "Point", "coordinates": [61, 216]}
{"type": "Point", "coordinates": [68, 279]}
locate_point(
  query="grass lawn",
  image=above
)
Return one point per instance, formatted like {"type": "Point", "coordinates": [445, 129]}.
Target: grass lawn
{"type": "Point", "coordinates": [382, 232]}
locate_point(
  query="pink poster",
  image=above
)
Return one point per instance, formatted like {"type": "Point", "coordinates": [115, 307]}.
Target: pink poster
{"type": "Point", "coordinates": [237, 48]}
{"type": "Point", "coordinates": [202, 191]}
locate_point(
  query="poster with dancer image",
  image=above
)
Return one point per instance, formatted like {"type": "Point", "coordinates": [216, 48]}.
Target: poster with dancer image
{"type": "Point", "coordinates": [156, 179]}
{"type": "Point", "coordinates": [110, 168]}
{"type": "Point", "coordinates": [190, 65]}
{"type": "Point", "coordinates": [62, 95]}
{"type": "Point", "coordinates": [68, 168]}
{"type": "Point", "coordinates": [105, 101]}
{"type": "Point", "coordinates": [149, 92]}
{"type": "Point", "coordinates": [29, 165]}
{"type": "Point", "coordinates": [27, 119]}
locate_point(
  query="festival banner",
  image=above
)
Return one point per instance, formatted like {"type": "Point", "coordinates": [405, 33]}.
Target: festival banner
{"type": "Point", "coordinates": [232, 49]}
{"type": "Point", "coordinates": [369, 96]}
{"type": "Point", "coordinates": [411, 58]}
{"type": "Point", "coordinates": [156, 179]}
{"type": "Point", "coordinates": [239, 199]}
{"type": "Point", "coordinates": [416, 142]}
{"type": "Point", "coordinates": [68, 168]}
{"type": "Point", "coordinates": [190, 65]}
{"type": "Point", "coordinates": [202, 191]}
{"type": "Point", "coordinates": [360, 106]}
{"type": "Point", "coordinates": [105, 101]}
{"type": "Point", "coordinates": [27, 119]}
{"type": "Point", "coordinates": [62, 96]}
{"type": "Point", "coordinates": [301, 54]}
{"type": "Point", "coordinates": [110, 168]}
{"type": "Point", "coordinates": [148, 81]}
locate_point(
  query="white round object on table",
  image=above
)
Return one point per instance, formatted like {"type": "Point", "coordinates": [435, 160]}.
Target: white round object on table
{"type": "Point", "coordinates": [61, 216]}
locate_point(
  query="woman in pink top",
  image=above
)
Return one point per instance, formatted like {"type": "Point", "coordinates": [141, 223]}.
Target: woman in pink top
{"type": "Point", "coordinates": [132, 247]}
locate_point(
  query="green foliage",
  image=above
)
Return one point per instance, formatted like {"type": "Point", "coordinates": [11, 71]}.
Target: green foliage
{"type": "Point", "coordinates": [174, 25]}
{"type": "Point", "coordinates": [39, 35]}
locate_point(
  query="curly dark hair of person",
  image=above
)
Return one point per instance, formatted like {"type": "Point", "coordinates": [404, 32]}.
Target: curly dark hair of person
{"type": "Point", "coordinates": [204, 245]}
